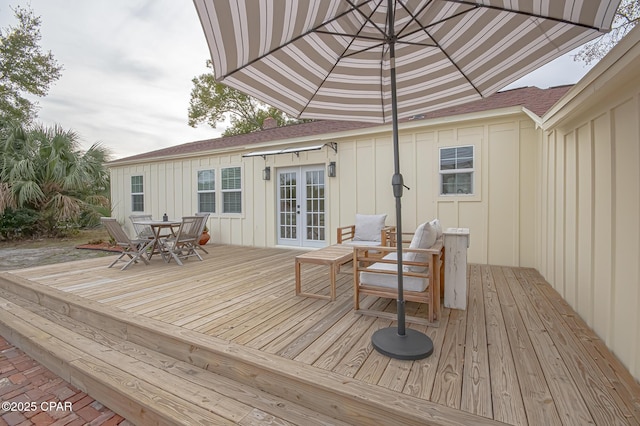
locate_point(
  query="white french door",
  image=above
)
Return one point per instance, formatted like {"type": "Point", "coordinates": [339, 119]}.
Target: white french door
{"type": "Point", "coordinates": [301, 206]}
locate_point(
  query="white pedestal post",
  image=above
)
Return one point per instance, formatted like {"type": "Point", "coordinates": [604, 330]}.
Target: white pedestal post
{"type": "Point", "coordinates": [456, 242]}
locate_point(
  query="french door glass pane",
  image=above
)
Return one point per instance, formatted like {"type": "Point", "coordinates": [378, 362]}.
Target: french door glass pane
{"type": "Point", "coordinates": [315, 200]}
{"type": "Point", "coordinates": [288, 206]}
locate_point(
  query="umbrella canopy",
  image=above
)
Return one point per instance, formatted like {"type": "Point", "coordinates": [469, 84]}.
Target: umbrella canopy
{"type": "Point", "coordinates": [329, 59]}
{"type": "Point", "coordinates": [382, 60]}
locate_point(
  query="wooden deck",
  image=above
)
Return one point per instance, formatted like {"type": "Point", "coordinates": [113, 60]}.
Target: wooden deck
{"type": "Point", "coordinates": [519, 354]}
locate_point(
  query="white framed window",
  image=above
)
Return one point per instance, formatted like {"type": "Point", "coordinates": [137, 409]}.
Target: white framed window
{"type": "Point", "coordinates": [231, 187]}
{"type": "Point", "coordinates": [137, 193]}
{"type": "Point", "coordinates": [207, 191]}
{"type": "Point", "coordinates": [457, 170]}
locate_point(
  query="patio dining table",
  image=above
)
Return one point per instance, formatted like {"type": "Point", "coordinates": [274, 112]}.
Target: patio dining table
{"type": "Point", "coordinates": [157, 227]}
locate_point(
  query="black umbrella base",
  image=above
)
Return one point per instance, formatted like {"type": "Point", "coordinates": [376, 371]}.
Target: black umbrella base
{"type": "Point", "coordinates": [412, 345]}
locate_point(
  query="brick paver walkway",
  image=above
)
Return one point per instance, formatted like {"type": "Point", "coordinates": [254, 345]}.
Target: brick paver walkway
{"type": "Point", "coordinates": [32, 395]}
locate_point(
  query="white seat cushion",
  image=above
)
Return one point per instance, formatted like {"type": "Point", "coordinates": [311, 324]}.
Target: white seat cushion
{"type": "Point", "coordinates": [369, 227]}
{"type": "Point", "coordinates": [362, 243]}
{"type": "Point", "coordinates": [390, 280]}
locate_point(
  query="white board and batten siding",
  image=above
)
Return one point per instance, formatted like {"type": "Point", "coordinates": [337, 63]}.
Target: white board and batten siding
{"type": "Point", "coordinates": [589, 210]}
{"type": "Point", "coordinates": [170, 186]}
{"type": "Point", "coordinates": [493, 213]}
{"type": "Point", "coordinates": [502, 149]}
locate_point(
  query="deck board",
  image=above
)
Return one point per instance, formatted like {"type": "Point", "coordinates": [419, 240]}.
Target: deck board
{"type": "Point", "coordinates": [518, 354]}
{"type": "Point", "coordinates": [476, 383]}
{"type": "Point", "coordinates": [579, 379]}
{"type": "Point", "coordinates": [508, 406]}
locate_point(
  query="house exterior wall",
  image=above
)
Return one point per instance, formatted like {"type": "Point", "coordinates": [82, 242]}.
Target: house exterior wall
{"type": "Point", "coordinates": [501, 221]}
{"type": "Point", "coordinates": [499, 214]}
{"type": "Point", "coordinates": [171, 187]}
{"type": "Point", "coordinates": [589, 210]}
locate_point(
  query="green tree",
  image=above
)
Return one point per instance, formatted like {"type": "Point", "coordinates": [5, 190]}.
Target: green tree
{"type": "Point", "coordinates": [211, 103]}
{"type": "Point", "coordinates": [24, 68]}
{"type": "Point", "coordinates": [627, 16]}
{"type": "Point", "coordinates": [43, 169]}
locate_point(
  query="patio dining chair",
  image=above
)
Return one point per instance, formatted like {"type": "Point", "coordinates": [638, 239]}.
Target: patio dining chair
{"type": "Point", "coordinates": [132, 250]}
{"type": "Point", "coordinates": [142, 231]}
{"type": "Point", "coordinates": [183, 245]}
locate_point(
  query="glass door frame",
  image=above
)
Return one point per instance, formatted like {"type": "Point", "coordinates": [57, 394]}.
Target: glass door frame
{"type": "Point", "coordinates": [297, 232]}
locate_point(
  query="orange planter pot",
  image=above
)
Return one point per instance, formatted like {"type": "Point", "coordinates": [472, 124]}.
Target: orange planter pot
{"type": "Point", "coordinates": [204, 238]}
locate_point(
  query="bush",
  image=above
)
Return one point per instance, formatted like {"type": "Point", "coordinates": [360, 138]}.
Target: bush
{"type": "Point", "coordinates": [19, 223]}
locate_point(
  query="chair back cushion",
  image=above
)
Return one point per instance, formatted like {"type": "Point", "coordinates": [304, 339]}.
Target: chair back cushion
{"type": "Point", "coordinates": [424, 237]}
{"type": "Point", "coordinates": [436, 224]}
{"type": "Point", "coordinates": [369, 227]}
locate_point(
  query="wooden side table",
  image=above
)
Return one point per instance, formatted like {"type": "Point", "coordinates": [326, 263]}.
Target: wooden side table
{"type": "Point", "coordinates": [333, 256]}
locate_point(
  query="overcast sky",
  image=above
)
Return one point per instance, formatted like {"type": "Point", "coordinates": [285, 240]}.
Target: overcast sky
{"type": "Point", "coordinates": [128, 66]}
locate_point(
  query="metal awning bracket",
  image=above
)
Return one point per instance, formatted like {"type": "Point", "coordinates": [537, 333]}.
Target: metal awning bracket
{"type": "Point", "coordinates": [333, 146]}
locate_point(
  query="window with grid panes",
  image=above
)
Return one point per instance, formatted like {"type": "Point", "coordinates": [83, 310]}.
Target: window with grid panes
{"type": "Point", "coordinates": [231, 187]}
{"type": "Point", "coordinates": [137, 193]}
{"type": "Point", "coordinates": [456, 170]}
{"type": "Point", "coordinates": [207, 191]}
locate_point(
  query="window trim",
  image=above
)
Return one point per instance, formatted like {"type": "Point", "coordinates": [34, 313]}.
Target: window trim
{"type": "Point", "coordinates": [136, 193]}
{"type": "Point", "coordinates": [472, 170]}
{"type": "Point", "coordinates": [206, 191]}
{"type": "Point", "coordinates": [233, 190]}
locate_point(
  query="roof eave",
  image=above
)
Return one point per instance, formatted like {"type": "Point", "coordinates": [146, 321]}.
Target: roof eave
{"type": "Point", "coordinates": [345, 134]}
{"type": "Point", "coordinates": [586, 91]}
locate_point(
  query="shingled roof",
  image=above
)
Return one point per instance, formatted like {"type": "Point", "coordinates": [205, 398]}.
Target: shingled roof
{"type": "Point", "coordinates": [534, 99]}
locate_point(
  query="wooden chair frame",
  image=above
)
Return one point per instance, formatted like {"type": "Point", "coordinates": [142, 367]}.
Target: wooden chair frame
{"type": "Point", "coordinates": [133, 249]}
{"type": "Point", "coordinates": [183, 245]}
{"type": "Point", "coordinates": [345, 234]}
{"type": "Point", "coordinates": [142, 231]}
{"type": "Point", "coordinates": [434, 272]}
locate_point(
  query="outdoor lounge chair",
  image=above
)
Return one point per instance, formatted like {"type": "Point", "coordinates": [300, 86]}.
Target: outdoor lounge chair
{"type": "Point", "coordinates": [132, 249]}
{"type": "Point", "coordinates": [184, 244]}
{"type": "Point", "coordinates": [369, 231]}
{"type": "Point", "coordinates": [203, 225]}
{"type": "Point", "coordinates": [423, 272]}
{"type": "Point", "coordinates": [142, 231]}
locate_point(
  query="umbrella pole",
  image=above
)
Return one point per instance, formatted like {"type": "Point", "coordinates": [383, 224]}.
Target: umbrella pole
{"type": "Point", "coordinates": [398, 342]}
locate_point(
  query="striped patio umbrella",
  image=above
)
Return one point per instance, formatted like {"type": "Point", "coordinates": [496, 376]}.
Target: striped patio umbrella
{"type": "Point", "coordinates": [383, 60]}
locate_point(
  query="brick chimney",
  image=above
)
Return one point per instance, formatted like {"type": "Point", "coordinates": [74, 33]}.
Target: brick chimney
{"type": "Point", "coordinates": [269, 123]}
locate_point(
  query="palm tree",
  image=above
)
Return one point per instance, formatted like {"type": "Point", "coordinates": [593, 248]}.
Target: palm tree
{"type": "Point", "coordinates": [43, 168]}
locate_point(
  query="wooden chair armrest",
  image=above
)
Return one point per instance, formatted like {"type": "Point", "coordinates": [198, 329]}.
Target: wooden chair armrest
{"type": "Point", "coordinates": [387, 236]}
{"type": "Point", "coordinates": [346, 233]}
{"type": "Point", "coordinates": [360, 253]}
{"type": "Point", "coordinates": [392, 238]}
{"type": "Point", "coordinates": [434, 249]}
